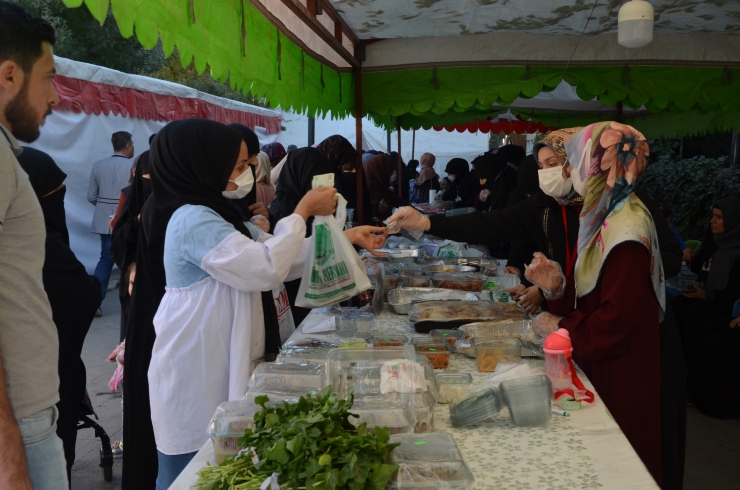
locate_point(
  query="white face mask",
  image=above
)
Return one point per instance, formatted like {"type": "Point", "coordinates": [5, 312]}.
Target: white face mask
{"type": "Point", "coordinates": [244, 183]}
{"type": "Point", "coordinates": [418, 169]}
{"type": "Point", "coordinates": [451, 178]}
{"type": "Point", "coordinates": [552, 183]}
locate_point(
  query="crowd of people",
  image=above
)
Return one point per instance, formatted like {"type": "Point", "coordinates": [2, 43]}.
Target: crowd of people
{"type": "Point", "coordinates": [210, 230]}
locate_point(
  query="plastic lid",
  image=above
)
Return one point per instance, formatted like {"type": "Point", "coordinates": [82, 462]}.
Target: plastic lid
{"type": "Point", "coordinates": [558, 342]}
{"type": "Point", "coordinates": [454, 378]}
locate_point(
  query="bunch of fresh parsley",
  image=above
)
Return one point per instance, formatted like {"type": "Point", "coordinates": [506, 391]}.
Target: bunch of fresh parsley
{"type": "Point", "coordinates": [310, 445]}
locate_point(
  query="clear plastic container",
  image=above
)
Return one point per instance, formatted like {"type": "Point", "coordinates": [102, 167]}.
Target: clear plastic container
{"type": "Point", "coordinates": [414, 281]}
{"type": "Point", "coordinates": [529, 400]}
{"type": "Point", "coordinates": [438, 353]}
{"type": "Point", "coordinates": [341, 362]}
{"type": "Point", "coordinates": [422, 405]}
{"type": "Point", "coordinates": [382, 341]}
{"type": "Point", "coordinates": [453, 387]}
{"type": "Point", "coordinates": [449, 335]}
{"type": "Point", "coordinates": [228, 425]}
{"type": "Point", "coordinates": [489, 330]}
{"type": "Point", "coordinates": [364, 325]}
{"type": "Point", "coordinates": [459, 281]}
{"type": "Point", "coordinates": [463, 346]}
{"type": "Point", "coordinates": [367, 378]}
{"type": "Point", "coordinates": [304, 355]}
{"type": "Point", "coordinates": [279, 393]}
{"type": "Point", "coordinates": [488, 352]}
{"type": "Point", "coordinates": [346, 324]}
{"type": "Point", "coordinates": [428, 461]}
{"type": "Point", "coordinates": [398, 416]}
{"type": "Point", "coordinates": [475, 408]}
{"type": "Point", "coordinates": [312, 342]}
{"type": "Point", "coordinates": [432, 383]}
{"type": "Point", "coordinates": [311, 376]}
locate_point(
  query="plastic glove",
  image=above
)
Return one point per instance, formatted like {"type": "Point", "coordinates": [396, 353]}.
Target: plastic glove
{"type": "Point", "coordinates": [545, 323]}
{"type": "Point", "coordinates": [260, 222]}
{"type": "Point", "coordinates": [484, 195]}
{"type": "Point", "coordinates": [409, 218]}
{"type": "Point", "coordinates": [546, 274]}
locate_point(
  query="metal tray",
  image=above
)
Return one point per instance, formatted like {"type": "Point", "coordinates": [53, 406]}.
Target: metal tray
{"type": "Point", "coordinates": [401, 299]}
{"type": "Point", "coordinates": [452, 268]}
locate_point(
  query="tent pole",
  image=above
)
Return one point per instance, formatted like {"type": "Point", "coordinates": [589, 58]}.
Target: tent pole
{"type": "Point", "coordinates": [399, 173]}
{"type": "Point", "coordinates": [413, 143]}
{"type": "Point", "coordinates": [311, 130]}
{"type": "Point", "coordinates": [358, 145]}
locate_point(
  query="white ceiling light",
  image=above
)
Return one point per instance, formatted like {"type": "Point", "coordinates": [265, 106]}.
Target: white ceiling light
{"type": "Point", "coordinates": [636, 24]}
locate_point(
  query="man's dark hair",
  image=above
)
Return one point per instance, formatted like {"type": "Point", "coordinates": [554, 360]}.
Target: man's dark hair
{"type": "Point", "coordinates": [22, 35]}
{"type": "Point", "coordinates": [120, 139]}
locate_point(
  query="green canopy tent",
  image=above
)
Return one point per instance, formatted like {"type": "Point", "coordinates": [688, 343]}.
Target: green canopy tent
{"type": "Point", "coordinates": [409, 64]}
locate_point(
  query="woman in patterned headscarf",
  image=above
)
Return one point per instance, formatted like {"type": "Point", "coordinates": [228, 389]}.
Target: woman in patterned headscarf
{"type": "Point", "coordinates": [275, 152]}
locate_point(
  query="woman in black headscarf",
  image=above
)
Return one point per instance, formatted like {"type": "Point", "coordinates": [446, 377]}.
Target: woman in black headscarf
{"type": "Point", "coordinates": [125, 235]}
{"type": "Point", "coordinates": [74, 295]}
{"type": "Point", "coordinates": [457, 170]}
{"type": "Point", "coordinates": [295, 181]}
{"type": "Point", "coordinates": [379, 171]}
{"type": "Point", "coordinates": [522, 251]}
{"type": "Point", "coordinates": [497, 175]}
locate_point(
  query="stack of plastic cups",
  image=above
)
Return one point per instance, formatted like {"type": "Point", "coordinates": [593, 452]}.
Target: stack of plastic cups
{"type": "Point", "coordinates": [475, 408]}
{"type": "Point", "coordinates": [529, 400]}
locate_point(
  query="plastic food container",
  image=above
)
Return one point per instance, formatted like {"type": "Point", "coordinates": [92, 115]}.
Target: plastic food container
{"type": "Point", "coordinates": [399, 417]}
{"type": "Point", "coordinates": [488, 352]}
{"type": "Point", "coordinates": [529, 399]}
{"type": "Point", "coordinates": [449, 335]}
{"type": "Point", "coordinates": [475, 408]}
{"type": "Point", "coordinates": [429, 375]}
{"type": "Point", "coordinates": [438, 353]}
{"type": "Point", "coordinates": [304, 355]}
{"type": "Point", "coordinates": [228, 425]}
{"type": "Point", "coordinates": [389, 340]}
{"type": "Point", "coordinates": [460, 282]}
{"type": "Point", "coordinates": [310, 342]}
{"type": "Point", "coordinates": [510, 328]}
{"type": "Point", "coordinates": [431, 315]}
{"type": "Point", "coordinates": [428, 461]}
{"type": "Point", "coordinates": [414, 281]}
{"type": "Point", "coordinates": [341, 362]}
{"type": "Point", "coordinates": [279, 393]}
{"type": "Point", "coordinates": [366, 377]}
{"type": "Point", "coordinates": [312, 376]}
{"type": "Point", "coordinates": [453, 387]}
{"type": "Point", "coordinates": [364, 325]}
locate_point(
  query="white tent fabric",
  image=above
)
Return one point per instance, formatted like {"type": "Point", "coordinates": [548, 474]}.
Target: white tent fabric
{"type": "Point", "coordinates": [76, 140]}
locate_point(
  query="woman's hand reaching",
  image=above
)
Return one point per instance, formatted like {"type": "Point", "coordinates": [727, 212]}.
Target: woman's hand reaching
{"type": "Point", "coordinates": [545, 323]}
{"type": "Point", "coordinates": [697, 293]}
{"type": "Point", "coordinates": [318, 202]}
{"type": "Point", "coordinates": [546, 274]}
{"type": "Point", "coordinates": [409, 218]}
{"type": "Point", "coordinates": [367, 238]}
{"type": "Point", "coordinates": [529, 297]}
{"type": "Point", "coordinates": [260, 222]}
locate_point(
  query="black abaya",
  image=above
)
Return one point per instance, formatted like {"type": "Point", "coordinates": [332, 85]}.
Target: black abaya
{"type": "Point", "coordinates": [73, 294]}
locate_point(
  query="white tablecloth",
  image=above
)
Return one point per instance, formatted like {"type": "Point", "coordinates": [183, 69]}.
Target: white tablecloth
{"type": "Point", "coordinates": [586, 450]}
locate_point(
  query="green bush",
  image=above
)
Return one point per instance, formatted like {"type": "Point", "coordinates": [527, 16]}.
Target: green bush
{"type": "Point", "coordinates": [691, 186]}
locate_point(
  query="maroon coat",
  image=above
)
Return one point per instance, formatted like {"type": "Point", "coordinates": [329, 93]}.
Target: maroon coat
{"type": "Point", "coordinates": [616, 341]}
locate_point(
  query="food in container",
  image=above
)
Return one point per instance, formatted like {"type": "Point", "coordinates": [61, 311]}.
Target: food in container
{"type": "Point", "coordinates": [422, 404]}
{"type": "Point", "coordinates": [228, 425]}
{"type": "Point", "coordinates": [447, 334]}
{"type": "Point", "coordinates": [390, 282]}
{"type": "Point", "coordinates": [453, 387]}
{"type": "Point", "coordinates": [451, 314]}
{"type": "Point", "coordinates": [311, 376]}
{"type": "Point", "coordinates": [402, 298]}
{"type": "Point", "coordinates": [341, 362]}
{"type": "Point", "coordinates": [463, 346]}
{"type": "Point", "coordinates": [438, 353]}
{"type": "Point", "coordinates": [304, 355]}
{"type": "Point", "coordinates": [427, 462]}
{"type": "Point", "coordinates": [520, 328]}
{"type": "Point", "coordinates": [452, 268]}
{"type": "Point", "coordinates": [310, 342]}
{"type": "Point", "coordinates": [429, 375]}
{"type": "Point", "coordinates": [397, 416]}
{"type": "Point", "coordinates": [417, 281]}
{"type": "Point", "coordinates": [412, 270]}
{"type": "Point", "coordinates": [389, 340]}
{"type": "Point", "coordinates": [460, 282]}
{"type": "Point", "coordinates": [488, 352]}
{"type": "Point", "coordinates": [353, 344]}
{"type": "Point", "coordinates": [476, 408]}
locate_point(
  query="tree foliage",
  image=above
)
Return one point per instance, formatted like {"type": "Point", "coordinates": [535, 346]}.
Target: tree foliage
{"type": "Point", "coordinates": [690, 186]}
{"type": "Point", "coordinates": [80, 37]}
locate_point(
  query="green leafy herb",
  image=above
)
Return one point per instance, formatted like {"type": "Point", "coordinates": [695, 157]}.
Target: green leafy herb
{"type": "Point", "coordinates": [310, 445]}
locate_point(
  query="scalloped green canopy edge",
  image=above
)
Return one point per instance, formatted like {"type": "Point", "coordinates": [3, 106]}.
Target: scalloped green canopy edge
{"type": "Point", "coordinates": [682, 100]}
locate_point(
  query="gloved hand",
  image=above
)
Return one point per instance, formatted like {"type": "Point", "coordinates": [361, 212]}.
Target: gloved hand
{"type": "Point", "coordinates": [484, 195]}
{"type": "Point", "coordinates": [546, 274]}
{"type": "Point", "coordinates": [545, 323]}
{"type": "Point", "coordinates": [409, 218]}
{"type": "Point", "coordinates": [260, 222]}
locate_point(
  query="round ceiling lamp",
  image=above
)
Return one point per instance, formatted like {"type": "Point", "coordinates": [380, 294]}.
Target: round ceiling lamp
{"type": "Point", "coordinates": [636, 19]}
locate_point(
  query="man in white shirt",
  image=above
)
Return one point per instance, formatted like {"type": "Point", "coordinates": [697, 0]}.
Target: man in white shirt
{"type": "Point", "coordinates": [31, 453]}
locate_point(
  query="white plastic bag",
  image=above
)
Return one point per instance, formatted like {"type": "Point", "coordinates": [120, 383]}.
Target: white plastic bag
{"type": "Point", "coordinates": [333, 270]}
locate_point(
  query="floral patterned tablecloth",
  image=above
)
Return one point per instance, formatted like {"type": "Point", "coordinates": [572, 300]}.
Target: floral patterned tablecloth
{"type": "Point", "coordinates": [584, 451]}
